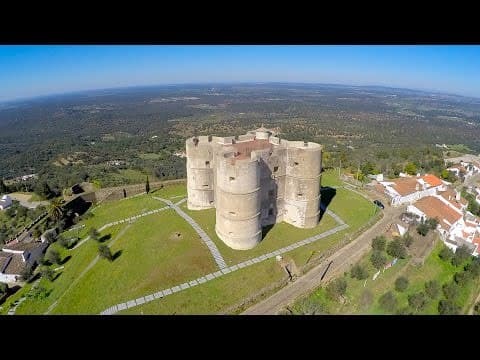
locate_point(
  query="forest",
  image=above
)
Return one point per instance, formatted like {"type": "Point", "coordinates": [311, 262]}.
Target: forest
{"type": "Point", "coordinates": [119, 136]}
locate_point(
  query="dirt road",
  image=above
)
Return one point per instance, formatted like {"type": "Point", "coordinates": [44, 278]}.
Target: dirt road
{"type": "Point", "coordinates": [331, 266]}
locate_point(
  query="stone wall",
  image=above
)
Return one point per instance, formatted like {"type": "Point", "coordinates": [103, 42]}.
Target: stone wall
{"type": "Point", "coordinates": [116, 193]}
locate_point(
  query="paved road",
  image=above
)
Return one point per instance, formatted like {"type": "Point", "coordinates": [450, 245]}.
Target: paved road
{"type": "Point", "coordinates": [203, 235]}
{"type": "Point", "coordinates": [24, 201]}
{"type": "Point", "coordinates": [337, 263]}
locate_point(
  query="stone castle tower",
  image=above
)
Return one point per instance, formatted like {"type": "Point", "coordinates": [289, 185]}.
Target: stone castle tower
{"type": "Point", "coordinates": [254, 180]}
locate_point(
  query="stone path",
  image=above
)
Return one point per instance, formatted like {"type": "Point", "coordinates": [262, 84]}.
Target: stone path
{"type": "Point", "coordinates": [122, 221]}
{"type": "Point", "coordinates": [162, 293]}
{"type": "Point", "coordinates": [203, 235]}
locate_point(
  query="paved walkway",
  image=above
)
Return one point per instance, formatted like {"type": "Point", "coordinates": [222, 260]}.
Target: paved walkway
{"type": "Point", "coordinates": [162, 293]}
{"type": "Point", "coordinates": [335, 264]}
{"type": "Point", "coordinates": [203, 235]}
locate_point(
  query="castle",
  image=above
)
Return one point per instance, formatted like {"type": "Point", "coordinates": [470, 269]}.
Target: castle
{"type": "Point", "coordinates": [254, 180]}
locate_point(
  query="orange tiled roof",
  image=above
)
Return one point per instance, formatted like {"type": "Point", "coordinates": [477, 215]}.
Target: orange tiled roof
{"type": "Point", "coordinates": [405, 186]}
{"type": "Point", "coordinates": [432, 180]}
{"type": "Point", "coordinates": [435, 208]}
{"type": "Point", "coordinates": [450, 193]}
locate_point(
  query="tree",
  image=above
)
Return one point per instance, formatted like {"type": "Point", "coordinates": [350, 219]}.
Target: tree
{"type": "Point", "coordinates": [104, 252]}
{"type": "Point", "coordinates": [47, 273]}
{"type": "Point", "coordinates": [432, 288]}
{"type": "Point", "coordinates": [53, 256]}
{"type": "Point", "coordinates": [423, 229]}
{"type": "Point", "coordinates": [3, 187]}
{"type": "Point", "coordinates": [417, 301]}
{"type": "Point", "coordinates": [448, 307]}
{"type": "Point", "coordinates": [461, 255]}
{"type": "Point", "coordinates": [336, 288]}
{"type": "Point", "coordinates": [388, 301]}
{"type": "Point", "coordinates": [359, 272]}
{"type": "Point", "coordinates": [476, 309]}
{"type": "Point", "coordinates": [446, 254]}
{"type": "Point", "coordinates": [94, 234]}
{"type": "Point", "coordinates": [26, 273]}
{"type": "Point", "coordinates": [451, 291]}
{"type": "Point", "coordinates": [64, 242]}
{"type": "Point", "coordinates": [55, 210]}
{"type": "Point", "coordinates": [43, 189]}
{"type": "Point", "coordinates": [50, 236]}
{"type": "Point", "coordinates": [474, 267]}
{"type": "Point", "coordinates": [311, 307]}
{"type": "Point", "coordinates": [411, 168]}
{"type": "Point", "coordinates": [397, 249]}
{"type": "Point", "coordinates": [3, 289]}
{"type": "Point", "coordinates": [432, 223]}
{"type": "Point", "coordinates": [407, 239]}
{"type": "Point", "coordinates": [379, 243]}
{"type": "Point", "coordinates": [463, 277]}
{"type": "Point", "coordinates": [378, 259]}
{"type": "Point", "coordinates": [401, 284]}
{"type": "Point", "coordinates": [147, 186]}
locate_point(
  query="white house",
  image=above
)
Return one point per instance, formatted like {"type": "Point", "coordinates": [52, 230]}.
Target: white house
{"type": "Point", "coordinates": [5, 202]}
{"type": "Point", "coordinates": [407, 190]}
{"type": "Point", "coordinates": [16, 256]}
{"type": "Point", "coordinates": [456, 226]}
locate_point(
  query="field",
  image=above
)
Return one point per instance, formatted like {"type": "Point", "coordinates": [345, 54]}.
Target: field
{"type": "Point", "coordinates": [161, 250]}
{"type": "Point", "coordinates": [362, 297]}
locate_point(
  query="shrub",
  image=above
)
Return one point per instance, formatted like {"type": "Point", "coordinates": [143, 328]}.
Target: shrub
{"type": "Point", "coordinates": [432, 288]}
{"type": "Point", "coordinates": [378, 259]}
{"type": "Point", "coordinates": [388, 301]}
{"type": "Point", "coordinates": [397, 249]}
{"type": "Point", "coordinates": [336, 288]}
{"type": "Point", "coordinates": [359, 272]}
{"type": "Point", "coordinates": [379, 243]}
{"type": "Point", "coordinates": [401, 284]}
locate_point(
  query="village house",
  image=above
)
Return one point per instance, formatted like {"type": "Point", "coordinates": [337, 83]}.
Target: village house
{"type": "Point", "coordinates": [456, 226]}
{"type": "Point", "coordinates": [5, 202]}
{"type": "Point", "coordinates": [22, 253]}
{"type": "Point", "coordinates": [407, 190]}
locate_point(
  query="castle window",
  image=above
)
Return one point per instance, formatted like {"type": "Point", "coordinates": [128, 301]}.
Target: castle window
{"type": "Point", "coordinates": [295, 163]}
{"type": "Point", "coordinates": [270, 211]}
{"type": "Point", "coordinates": [207, 163]}
{"type": "Point", "coordinates": [231, 178]}
{"type": "Point", "coordinates": [299, 194]}
{"type": "Point", "coordinates": [275, 168]}
{"type": "Point", "coordinates": [232, 213]}
{"type": "Point", "coordinates": [211, 201]}
{"type": "Point", "coordinates": [205, 185]}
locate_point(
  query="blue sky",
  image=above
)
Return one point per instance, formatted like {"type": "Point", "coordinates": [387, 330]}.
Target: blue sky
{"type": "Point", "coordinates": [27, 71]}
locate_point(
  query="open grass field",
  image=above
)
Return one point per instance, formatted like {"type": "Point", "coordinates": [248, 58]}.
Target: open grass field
{"type": "Point", "coordinates": [152, 258]}
{"type": "Point", "coordinates": [362, 299]}
{"type": "Point", "coordinates": [149, 258]}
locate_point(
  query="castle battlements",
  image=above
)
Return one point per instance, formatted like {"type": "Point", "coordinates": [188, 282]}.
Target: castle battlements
{"type": "Point", "coordinates": [254, 180]}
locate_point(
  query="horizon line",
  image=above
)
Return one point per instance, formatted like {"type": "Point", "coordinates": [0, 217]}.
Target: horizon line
{"type": "Point", "coordinates": [73, 92]}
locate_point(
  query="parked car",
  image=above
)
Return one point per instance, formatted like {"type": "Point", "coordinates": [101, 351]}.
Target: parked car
{"type": "Point", "coordinates": [379, 204]}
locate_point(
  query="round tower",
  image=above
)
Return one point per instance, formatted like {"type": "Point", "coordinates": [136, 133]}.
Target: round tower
{"type": "Point", "coordinates": [238, 202]}
{"type": "Point", "coordinates": [200, 177]}
{"type": "Point", "coordinates": [302, 184]}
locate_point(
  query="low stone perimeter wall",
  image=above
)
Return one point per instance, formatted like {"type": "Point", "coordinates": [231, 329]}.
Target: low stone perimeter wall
{"type": "Point", "coordinates": [116, 193]}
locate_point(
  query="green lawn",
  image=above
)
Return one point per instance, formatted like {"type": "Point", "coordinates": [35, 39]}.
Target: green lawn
{"type": "Point", "coordinates": [280, 235]}
{"type": "Point", "coordinates": [151, 259]}
{"type": "Point", "coordinates": [172, 190]}
{"type": "Point", "coordinates": [434, 268]}
{"type": "Point", "coordinates": [110, 211]}
{"type": "Point", "coordinates": [216, 295]}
